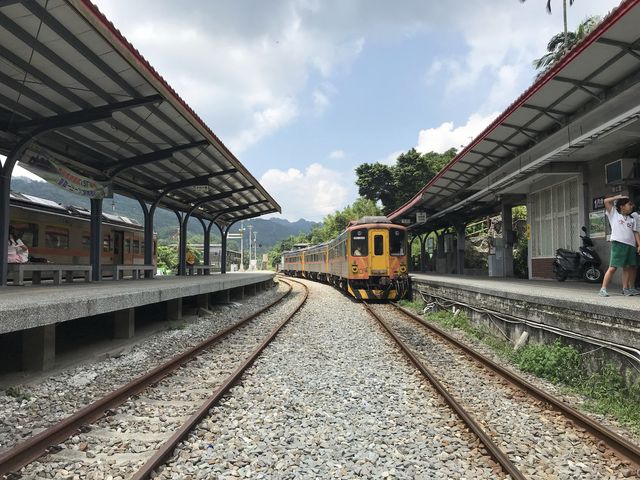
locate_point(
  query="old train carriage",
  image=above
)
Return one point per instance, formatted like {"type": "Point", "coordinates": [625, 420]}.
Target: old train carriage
{"type": "Point", "coordinates": [368, 260]}
{"type": "Point", "coordinates": [60, 234]}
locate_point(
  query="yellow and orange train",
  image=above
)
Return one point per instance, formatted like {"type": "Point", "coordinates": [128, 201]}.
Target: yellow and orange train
{"type": "Point", "coordinates": [368, 260]}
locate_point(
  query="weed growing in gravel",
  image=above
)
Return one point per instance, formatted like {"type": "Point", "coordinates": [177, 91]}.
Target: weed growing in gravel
{"type": "Point", "coordinates": [415, 305]}
{"type": "Point", "coordinates": [605, 390]}
{"type": "Point", "coordinates": [16, 393]}
{"type": "Point", "coordinates": [556, 362]}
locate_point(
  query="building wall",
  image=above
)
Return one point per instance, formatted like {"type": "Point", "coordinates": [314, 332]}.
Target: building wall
{"type": "Point", "coordinates": [592, 187]}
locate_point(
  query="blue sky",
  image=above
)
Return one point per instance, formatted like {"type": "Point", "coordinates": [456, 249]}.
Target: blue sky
{"type": "Point", "coordinates": [304, 91]}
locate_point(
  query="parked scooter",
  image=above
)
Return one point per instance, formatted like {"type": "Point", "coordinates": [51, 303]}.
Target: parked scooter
{"type": "Point", "coordinates": [584, 264]}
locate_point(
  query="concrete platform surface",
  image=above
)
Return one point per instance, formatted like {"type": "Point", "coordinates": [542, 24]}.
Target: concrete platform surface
{"type": "Point", "coordinates": [572, 295]}
{"type": "Point", "coordinates": [38, 305]}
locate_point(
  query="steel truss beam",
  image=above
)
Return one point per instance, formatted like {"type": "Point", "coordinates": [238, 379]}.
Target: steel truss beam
{"type": "Point", "coordinates": [152, 157]}
{"type": "Point", "coordinates": [74, 119]}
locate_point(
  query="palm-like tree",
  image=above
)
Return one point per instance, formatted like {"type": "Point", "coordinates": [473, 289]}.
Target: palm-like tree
{"type": "Point", "coordinates": [564, 13]}
{"type": "Point", "coordinates": [562, 42]}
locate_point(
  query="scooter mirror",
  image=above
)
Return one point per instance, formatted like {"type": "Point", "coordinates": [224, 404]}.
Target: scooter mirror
{"type": "Point", "coordinates": [584, 229]}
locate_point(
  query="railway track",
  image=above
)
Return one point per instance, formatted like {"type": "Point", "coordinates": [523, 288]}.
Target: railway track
{"type": "Point", "coordinates": [114, 433]}
{"type": "Point", "coordinates": [551, 439]}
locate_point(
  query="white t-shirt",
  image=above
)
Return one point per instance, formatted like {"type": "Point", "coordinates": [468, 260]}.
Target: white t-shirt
{"type": "Point", "coordinates": [622, 227]}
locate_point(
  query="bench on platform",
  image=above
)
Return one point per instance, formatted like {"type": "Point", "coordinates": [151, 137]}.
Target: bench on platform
{"type": "Point", "coordinates": [199, 269]}
{"type": "Point", "coordinates": [137, 271]}
{"type": "Point", "coordinates": [17, 271]}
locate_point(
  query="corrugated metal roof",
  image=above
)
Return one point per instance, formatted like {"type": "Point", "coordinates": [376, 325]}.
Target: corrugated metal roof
{"type": "Point", "coordinates": [71, 80]}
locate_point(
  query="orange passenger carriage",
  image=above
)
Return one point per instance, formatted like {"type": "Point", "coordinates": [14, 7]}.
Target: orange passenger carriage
{"type": "Point", "coordinates": [368, 260]}
{"type": "Point", "coordinates": [60, 234]}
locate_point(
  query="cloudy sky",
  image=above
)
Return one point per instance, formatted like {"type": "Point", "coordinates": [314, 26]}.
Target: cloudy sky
{"type": "Point", "coordinates": [304, 91]}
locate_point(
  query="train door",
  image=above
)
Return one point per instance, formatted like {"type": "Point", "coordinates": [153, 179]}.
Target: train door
{"type": "Point", "coordinates": [127, 248]}
{"type": "Point", "coordinates": [378, 251]}
{"type": "Point", "coordinates": [118, 243]}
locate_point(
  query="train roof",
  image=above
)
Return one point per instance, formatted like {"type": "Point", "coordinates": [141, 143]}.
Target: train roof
{"type": "Point", "coordinates": [45, 205]}
{"type": "Point", "coordinates": [370, 219]}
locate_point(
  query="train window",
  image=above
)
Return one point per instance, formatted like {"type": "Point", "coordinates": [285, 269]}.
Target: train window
{"type": "Point", "coordinates": [55, 237]}
{"type": "Point", "coordinates": [359, 243]}
{"type": "Point", "coordinates": [27, 232]}
{"type": "Point", "coordinates": [396, 241]}
{"type": "Point", "coordinates": [136, 246]}
{"type": "Point", "coordinates": [106, 243]}
{"type": "Point", "coordinates": [378, 245]}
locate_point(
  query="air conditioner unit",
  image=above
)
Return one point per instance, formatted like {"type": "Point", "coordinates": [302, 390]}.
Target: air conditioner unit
{"type": "Point", "coordinates": [620, 170]}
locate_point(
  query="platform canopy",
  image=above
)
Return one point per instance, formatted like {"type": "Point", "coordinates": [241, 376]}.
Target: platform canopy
{"type": "Point", "coordinates": [583, 107]}
{"type": "Point", "coordinates": [74, 91]}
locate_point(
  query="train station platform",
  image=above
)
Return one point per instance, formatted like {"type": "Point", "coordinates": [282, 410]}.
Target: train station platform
{"type": "Point", "coordinates": [34, 311]}
{"type": "Point", "coordinates": [545, 309]}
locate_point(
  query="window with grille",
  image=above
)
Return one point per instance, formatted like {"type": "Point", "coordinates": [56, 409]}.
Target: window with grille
{"type": "Point", "coordinates": [554, 219]}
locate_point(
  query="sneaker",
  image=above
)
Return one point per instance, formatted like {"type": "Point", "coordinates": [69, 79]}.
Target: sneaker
{"type": "Point", "coordinates": [634, 291]}
{"type": "Point", "coordinates": [627, 292]}
{"type": "Point", "coordinates": [603, 292]}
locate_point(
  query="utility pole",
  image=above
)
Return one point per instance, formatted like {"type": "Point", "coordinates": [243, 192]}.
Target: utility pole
{"type": "Point", "coordinates": [250, 227]}
{"type": "Point", "coordinates": [241, 230]}
{"type": "Point", "coordinates": [255, 248]}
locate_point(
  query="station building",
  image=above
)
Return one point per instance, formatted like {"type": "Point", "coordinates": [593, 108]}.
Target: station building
{"type": "Point", "coordinates": [569, 141]}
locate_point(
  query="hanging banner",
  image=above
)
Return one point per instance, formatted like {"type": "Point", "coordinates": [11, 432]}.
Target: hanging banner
{"type": "Point", "coordinates": [42, 163]}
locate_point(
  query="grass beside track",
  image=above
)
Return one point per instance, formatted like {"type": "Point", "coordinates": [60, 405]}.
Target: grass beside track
{"type": "Point", "coordinates": [605, 390]}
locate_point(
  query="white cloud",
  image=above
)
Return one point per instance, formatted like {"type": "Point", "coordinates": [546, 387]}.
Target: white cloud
{"type": "Point", "coordinates": [446, 136]}
{"type": "Point", "coordinates": [265, 122]}
{"type": "Point", "coordinates": [337, 155]}
{"type": "Point", "coordinates": [501, 45]}
{"type": "Point", "coordinates": [310, 194]}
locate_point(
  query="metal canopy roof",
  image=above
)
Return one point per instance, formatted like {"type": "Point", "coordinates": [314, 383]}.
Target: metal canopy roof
{"type": "Point", "coordinates": [560, 121]}
{"type": "Point", "coordinates": [72, 83]}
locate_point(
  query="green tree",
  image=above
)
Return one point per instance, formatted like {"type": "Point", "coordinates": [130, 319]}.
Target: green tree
{"type": "Point", "coordinates": [167, 257]}
{"type": "Point", "coordinates": [564, 16]}
{"type": "Point", "coordinates": [394, 185]}
{"type": "Point", "coordinates": [375, 181]}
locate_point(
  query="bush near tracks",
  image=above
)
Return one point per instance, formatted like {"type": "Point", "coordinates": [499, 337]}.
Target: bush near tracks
{"type": "Point", "coordinates": [606, 390]}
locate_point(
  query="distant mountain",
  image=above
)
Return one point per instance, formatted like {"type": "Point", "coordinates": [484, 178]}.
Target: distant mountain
{"type": "Point", "coordinates": [269, 231]}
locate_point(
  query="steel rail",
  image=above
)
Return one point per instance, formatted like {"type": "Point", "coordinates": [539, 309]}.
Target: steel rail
{"type": "Point", "coordinates": [618, 443]}
{"type": "Point", "coordinates": [166, 449]}
{"type": "Point", "coordinates": [26, 452]}
{"type": "Point", "coordinates": [490, 445]}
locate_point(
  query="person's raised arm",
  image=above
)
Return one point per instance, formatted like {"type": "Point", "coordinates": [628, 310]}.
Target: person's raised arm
{"type": "Point", "coordinates": [609, 201]}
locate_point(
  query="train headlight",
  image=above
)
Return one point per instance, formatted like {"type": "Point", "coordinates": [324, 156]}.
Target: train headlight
{"type": "Point", "coordinates": [354, 268]}
{"type": "Point", "coordinates": [403, 269]}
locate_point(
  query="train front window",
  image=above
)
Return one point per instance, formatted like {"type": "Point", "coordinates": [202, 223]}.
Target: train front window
{"type": "Point", "coordinates": [359, 243]}
{"type": "Point", "coordinates": [396, 242]}
{"type": "Point", "coordinates": [378, 245]}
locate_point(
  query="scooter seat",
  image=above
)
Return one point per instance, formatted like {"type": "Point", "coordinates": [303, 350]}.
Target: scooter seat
{"type": "Point", "coordinates": [567, 253]}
